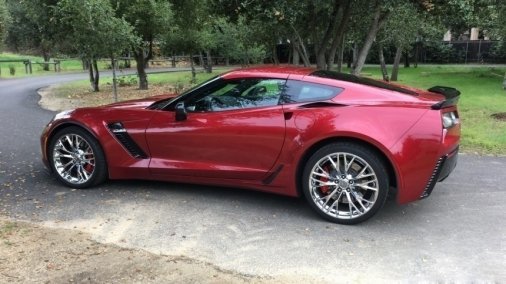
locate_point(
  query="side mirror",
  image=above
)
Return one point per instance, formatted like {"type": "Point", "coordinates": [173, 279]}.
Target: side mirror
{"type": "Point", "coordinates": [181, 112]}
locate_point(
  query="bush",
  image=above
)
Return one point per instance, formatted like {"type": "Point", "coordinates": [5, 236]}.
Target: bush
{"type": "Point", "coordinates": [12, 70]}
{"type": "Point", "coordinates": [126, 81]}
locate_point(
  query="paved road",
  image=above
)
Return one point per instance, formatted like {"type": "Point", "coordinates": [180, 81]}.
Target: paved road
{"type": "Point", "coordinates": [458, 234]}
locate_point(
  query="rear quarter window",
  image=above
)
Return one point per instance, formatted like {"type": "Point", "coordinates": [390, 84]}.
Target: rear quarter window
{"type": "Point", "coordinates": [300, 91]}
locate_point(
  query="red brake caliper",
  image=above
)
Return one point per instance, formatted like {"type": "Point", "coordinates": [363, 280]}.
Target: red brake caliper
{"type": "Point", "coordinates": [325, 189]}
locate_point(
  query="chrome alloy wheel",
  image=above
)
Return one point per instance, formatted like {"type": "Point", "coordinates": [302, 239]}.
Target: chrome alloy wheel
{"type": "Point", "coordinates": [73, 159]}
{"type": "Point", "coordinates": [343, 185]}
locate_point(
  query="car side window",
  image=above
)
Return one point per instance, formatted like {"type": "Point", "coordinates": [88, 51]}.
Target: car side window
{"type": "Point", "coordinates": [238, 94]}
{"type": "Point", "coordinates": [300, 91]}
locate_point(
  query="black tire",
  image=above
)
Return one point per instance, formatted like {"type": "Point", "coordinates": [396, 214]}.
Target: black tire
{"type": "Point", "coordinates": [322, 185]}
{"type": "Point", "coordinates": [98, 173]}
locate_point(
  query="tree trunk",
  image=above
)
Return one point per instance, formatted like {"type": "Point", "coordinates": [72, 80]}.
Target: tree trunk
{"type": "Point", "coordinates": [275, 57]}
{"type": "Point", "coordinates": [340, 56]}
{"type": "Point", "coordinates": [141, 70]}
{"type": "Point", "coordinates": [406, 59]}
{"type": "Point", "coordinates": [397, 60]}
{"type": "Point", "coordinates": [378, 21]}
{"type": "Point", "coordinates": [299, 44]}
{"type": "Point", "coordinates": [202, 63]}
{"type": "Point", "coordinates": [194, 74]}
{"type": "Point", "coordinates": [86, 64]}
{"type": "Point", "coordinates": [92, 76]}
{"type": "Point", "coordinates": [321, 61]}
{"type": "Point", "coordinates": [209, 68]}
{"type": "Point", "coordinates": [417, 54]}
{"type": "Point", "coordinates": [227, 61]}
{"type": "Point", "coordinates": [96, 78]}
{"type": "Point", "coordinates": [354, 55]}
{"type": "Point", "coordinates": [349, 59]}
{"type": "Point", "coordinates": [46, 57]}
{"type": "Point", "coordinates": [295, 55]}
{"type": "Point", "coordinates": [338, 39]}
{"type": "Point", "coordinates": [329, 36]}
{"type": "Point", "coordinates": [384, 70]}
{"type": "Point", "coordinates": [114, 81]}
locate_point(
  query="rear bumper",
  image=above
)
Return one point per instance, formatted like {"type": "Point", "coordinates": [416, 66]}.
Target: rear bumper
{"type": "Point", "coordinates": [444, 166]}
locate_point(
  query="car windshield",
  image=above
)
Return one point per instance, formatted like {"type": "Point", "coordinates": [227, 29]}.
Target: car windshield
{"type": "Point", "coordinates": [161, 104]}
{"type": "Point", "coordinates": [361, 80]}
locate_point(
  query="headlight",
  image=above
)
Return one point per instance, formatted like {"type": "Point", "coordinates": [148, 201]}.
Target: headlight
{"type": "Point", "coordinates": [63, 114]}
{"type": "Point", "coordinates": [450, 119]}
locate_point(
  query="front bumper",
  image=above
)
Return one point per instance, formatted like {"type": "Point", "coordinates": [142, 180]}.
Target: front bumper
{"type": "Point", "coordinates": [444, 166]}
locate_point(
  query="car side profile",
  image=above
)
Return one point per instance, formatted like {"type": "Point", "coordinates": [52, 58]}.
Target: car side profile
{"type": "Point", "coordinates": [341, 141]}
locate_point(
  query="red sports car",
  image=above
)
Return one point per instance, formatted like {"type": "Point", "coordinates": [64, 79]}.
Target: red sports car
{"type": "Point", "coordinates": [341, 141]}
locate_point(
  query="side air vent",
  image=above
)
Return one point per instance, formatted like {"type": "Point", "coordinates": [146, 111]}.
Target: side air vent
{"type": "Point", "coordinates": [124, 139]}
{"type": "Point", "coordinates": [433, 178]}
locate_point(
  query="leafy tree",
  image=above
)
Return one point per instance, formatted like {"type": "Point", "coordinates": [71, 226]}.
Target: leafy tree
{"type": "Point", "coordinates": [193, 31]}
{"type": "Point", "coordinates": [88, 28]}
{"type": "Point", "coordinates": [400, 31]}
{"type": "Point", "coordinates": [151, 20]}
{"type": "Point", "coordinates": [4, 21]}
{"type": "Point", "coordinates": [32, 27]}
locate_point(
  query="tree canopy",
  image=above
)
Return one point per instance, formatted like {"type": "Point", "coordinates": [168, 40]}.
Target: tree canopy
{"type": "Point", "coordinates": [322, 32]}
{"type": "Point", "coordinates": [4, 21]}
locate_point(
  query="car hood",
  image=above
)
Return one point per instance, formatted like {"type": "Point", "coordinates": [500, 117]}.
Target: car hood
{"type": "Point", "coordinates": [139, 103]}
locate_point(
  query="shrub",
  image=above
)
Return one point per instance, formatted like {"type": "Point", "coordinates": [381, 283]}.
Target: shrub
{"type": "Point", "coordinates": [126, 81]}
{"type": "Point", "coordinates": [12, 70]}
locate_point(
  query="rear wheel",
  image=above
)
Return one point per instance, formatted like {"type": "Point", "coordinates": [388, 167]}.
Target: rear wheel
{"type": "Point", "coordinates": [345, 183]}
{"type": "Point", "coordinates": [77, 158]}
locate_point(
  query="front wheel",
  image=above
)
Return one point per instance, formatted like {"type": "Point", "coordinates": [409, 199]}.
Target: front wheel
{"type": "Point", "coordinates": [345, 183]}
{"type": "Point", "coordinates": [77, 158]}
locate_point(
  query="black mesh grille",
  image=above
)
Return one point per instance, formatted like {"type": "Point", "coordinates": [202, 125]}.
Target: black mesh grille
{"type": "Point", "coordinates": [122, 136]}
{"type": "Point", "coordinates": [433, 178]}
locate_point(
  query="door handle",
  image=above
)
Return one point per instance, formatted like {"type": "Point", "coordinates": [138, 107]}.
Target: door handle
{"type": "Point", "coordinates": [288, 115]}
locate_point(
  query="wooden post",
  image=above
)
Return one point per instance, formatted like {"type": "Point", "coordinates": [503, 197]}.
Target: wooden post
{"type": "Point", "coordinates": [26, 66]}
{"type": "Point", "coordinates": [114, 82]}
{"type": "Point", "coordinates": [30, 66]}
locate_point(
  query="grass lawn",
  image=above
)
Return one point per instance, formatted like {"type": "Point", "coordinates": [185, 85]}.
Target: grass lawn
{"type": "Point", "coordinates": [70, 65]}
{"type": "Point", "coordinates": [481, 87]}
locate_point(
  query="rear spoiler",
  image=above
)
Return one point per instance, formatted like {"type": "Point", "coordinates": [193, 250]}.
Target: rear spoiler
{"type": "Point", "coordinates": [451, 96]}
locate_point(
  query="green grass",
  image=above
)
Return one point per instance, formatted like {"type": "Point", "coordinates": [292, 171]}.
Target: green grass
{"type": "Point", "coordinates": [71, 65]}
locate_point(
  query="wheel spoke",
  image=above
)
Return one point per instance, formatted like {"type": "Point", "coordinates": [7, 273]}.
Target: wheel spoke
{"type": "Point", "coordinates": [336, 167]}
{"type": "Point", "coordinates": [349, 205]}
{"type": "Point", "coordinates": [322, 183]}
{"type": "Point", "coordinates": [69, 140]}
{"type": "Point", "coordinates": [366, 187]}
{"type": "Point", "coordinates": [323, 171]}
{"type": "Point", "coordinates": [350, 200]}
{"type": "Point", "coordinates": [348, 165]}
{"type": "Point", "coordinates": [321, 175]}
{"type": "Point", "coordinates": [359, 200]}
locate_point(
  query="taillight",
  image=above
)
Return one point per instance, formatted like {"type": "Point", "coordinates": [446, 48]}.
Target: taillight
{"type": "Point", "coordinates": [450, 119]}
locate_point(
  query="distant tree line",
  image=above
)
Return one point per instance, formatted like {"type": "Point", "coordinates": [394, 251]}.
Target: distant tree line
{"type": "Point", "coordinates": [246, 31]}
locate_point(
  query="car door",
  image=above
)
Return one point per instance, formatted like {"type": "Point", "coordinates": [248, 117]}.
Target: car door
{"type": "Point", "coordinates": [234, 129]}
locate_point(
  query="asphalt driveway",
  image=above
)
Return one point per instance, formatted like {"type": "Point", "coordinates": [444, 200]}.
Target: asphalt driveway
{"type": "Point", "coordinates": [458, 234]}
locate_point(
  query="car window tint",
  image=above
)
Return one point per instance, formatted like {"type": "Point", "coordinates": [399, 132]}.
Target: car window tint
{"type": "Point", "coordinates": [238, 94]}
{"type": "Point", "coordinates": [361, 80]}
{"type": "Point", "coordinates": [300, 91]}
